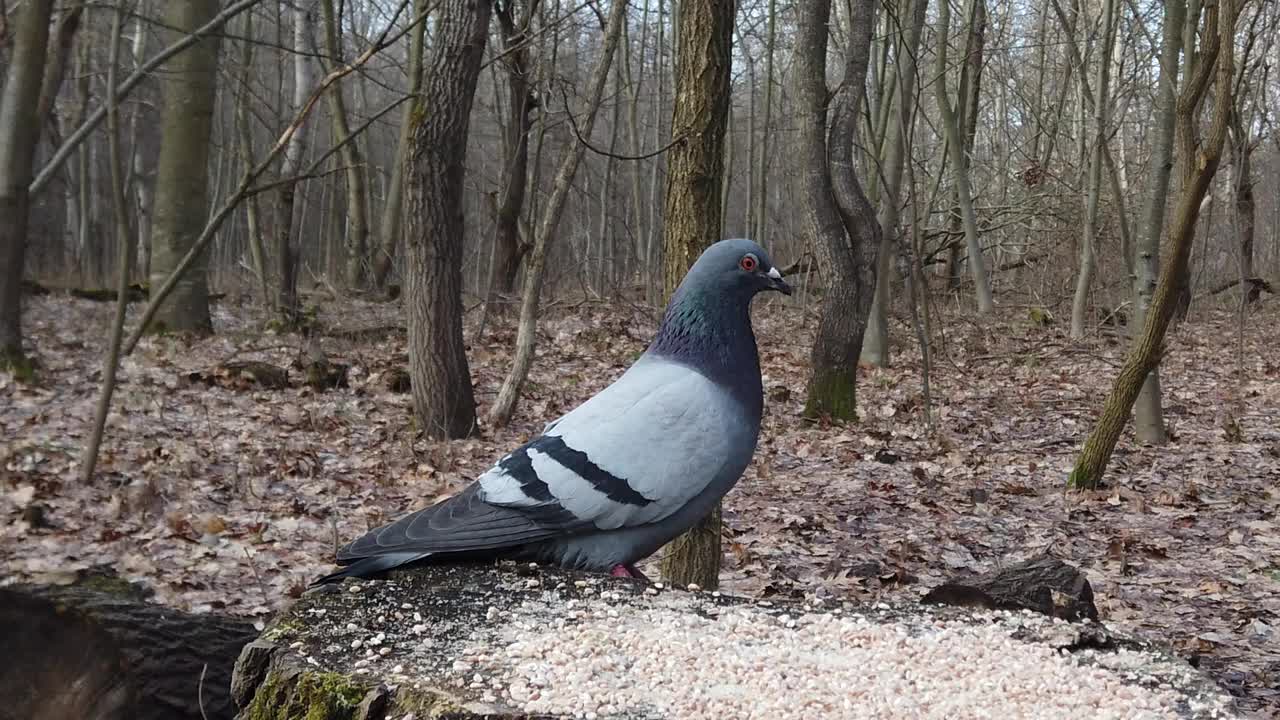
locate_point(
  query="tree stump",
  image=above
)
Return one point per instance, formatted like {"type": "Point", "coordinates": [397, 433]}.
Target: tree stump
{"type": "Point", "coordinates": [98, 650]}
{"type": "Point", "coordinates": [454, 642]}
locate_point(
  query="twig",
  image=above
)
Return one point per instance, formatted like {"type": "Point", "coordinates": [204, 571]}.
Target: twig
{"type": "Point", "coordinates": [200, 691]}
{"type": "Point", "coordinates": [266, 597]}
{"type": "Point", "coordinates": [587, 143]}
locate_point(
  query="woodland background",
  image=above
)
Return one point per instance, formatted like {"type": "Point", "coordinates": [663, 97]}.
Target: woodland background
{"type": "Point", "coordinates": [1000, 217]}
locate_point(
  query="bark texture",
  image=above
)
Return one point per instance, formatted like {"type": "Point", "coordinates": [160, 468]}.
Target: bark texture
{"type": "Point", "coordinates": [1042, 584]}
{"type": "Point", "coordinates": [845, 228]}
{"type": "Point", "coordinates": [695, 174]}
{"type": "Point", "coordinates": [182, 178]}
{"type": "Point", "coordinates": [99, 650]}
{"type": "Point", "coordinates": [695, 165]}
{"type": "Point", "coordinates": [443, 399]}
{"type": "Point", "coordinates": [19, 130]}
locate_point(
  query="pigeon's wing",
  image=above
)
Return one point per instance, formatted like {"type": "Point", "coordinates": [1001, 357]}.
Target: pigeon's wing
{"type": "Point", "coordinates": [631, 455]}
{"type": "Point", "coordinates": [462, 523]}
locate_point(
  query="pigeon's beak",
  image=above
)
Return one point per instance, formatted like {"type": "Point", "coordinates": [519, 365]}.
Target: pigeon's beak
{"type": "Point", "coordinates": [777, 283]}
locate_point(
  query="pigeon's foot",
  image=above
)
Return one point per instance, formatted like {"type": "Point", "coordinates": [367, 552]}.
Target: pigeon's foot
{"type": "Point", "coordinates": [628, 571]}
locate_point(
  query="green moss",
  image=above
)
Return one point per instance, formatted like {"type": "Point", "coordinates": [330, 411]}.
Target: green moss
{"type": "Point", "coordinates": [426, 705]}
{"type": "Point", "coordinates": [281, 629]}
{"type": "Point", "coordinates": [109, 585]}
{"type": "Point", "coordinates": [305, 696]}
{"type": "Point", "coordinates": [833, 395]}
{"type": "Point", "coordinates": [22, 367]}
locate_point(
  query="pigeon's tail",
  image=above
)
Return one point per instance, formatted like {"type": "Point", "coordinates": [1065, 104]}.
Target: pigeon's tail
{"type": "Point", "coordinates": [373, 565]}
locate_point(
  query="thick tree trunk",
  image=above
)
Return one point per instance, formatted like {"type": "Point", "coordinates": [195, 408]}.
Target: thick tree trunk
{"type": "Point", "coordinates": [505, 404]}
{"type": "Point", "coordinates": [182, 178]}
{"type": "Point", "coordinates": [356, 238]}
{"type": "Point", "coordinates": [19, 130]}
{"type": "Point", "coordinates": [695, 172]}
{"type": "Point", "coordinates": [443, 399]}
{"type": "Point", "coordinates": [393, 210]}
{"type": "Point", "coordinates": [846, 232]}
{"type": "Point", "coordinates": [695, 165]}
{"type": "Point", "coordinates": [1199, 163]}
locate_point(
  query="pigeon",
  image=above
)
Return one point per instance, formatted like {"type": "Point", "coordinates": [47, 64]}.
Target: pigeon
{"type": "Point", "coordinates": [630, 469]}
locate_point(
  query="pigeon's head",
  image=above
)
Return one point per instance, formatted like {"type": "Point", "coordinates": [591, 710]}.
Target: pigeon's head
{"type": "Point", "coordinates": [738, 266]}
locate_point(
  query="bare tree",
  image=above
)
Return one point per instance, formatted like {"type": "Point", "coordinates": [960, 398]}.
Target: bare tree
{"type": "Point", "coordinates": [182, 179]}
{"type": "Point", "coordinates": [287, 304]}
{"type": "Point", "coordinates": [1198, 160]}
{"type": "Point", "coordinates": [356, 238]}
{"type": "Point", "coordinates": [442, 394]}
{"type": "Point", "coordinates": [695, 170]}
{"type": "Point", "coordinates": [846, 232]}
{"type": "Point", "coordinates": [393, 207]}
{"type": "Point", "coordinates": [19, 130]}
{"type": "Point", "coordinates": [951, 127]}
{"type": "Point", "coordinates": [504, 406]}
{"type": "Point", "coordinates": [509, 244]}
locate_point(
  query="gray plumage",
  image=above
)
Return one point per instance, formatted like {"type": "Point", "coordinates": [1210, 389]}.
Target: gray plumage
{"type": "Point", "coordinates": [613, 480]}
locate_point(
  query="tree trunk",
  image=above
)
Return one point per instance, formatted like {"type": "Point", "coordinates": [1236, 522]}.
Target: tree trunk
{"type": "Point", "coordinates": [504, 406]}
{"type": "Point", "coordinates": [257, 251]}
{"type": "Point", "coordinates": [393, 210]}
{"type": "Point", "coordinates": [509, 246]}
{"type": "Point", "coordinates": [1101, 104]}
{"type": "Point", "coordinates": [443, 399]}
{"type": "Point", "coordinates": [875, 341]}
{"type": "Point", "coordinates": [846, 232]}
{"type": "Point", "coordinates": [356, 239]}
{"type": "Point", "coordinates": [695, 165]}
{"type": "Point", "coordinates": [182, 178]}
{"type": "Point", "coordinates": [695, 169]}
{"type": "Point", "coordinates": [951, 127]}
{"type": "Point", "coordinates": [1199, 162]}
{"type": "Point", "coordinates": [19, 131]}
{"type": "Point", "coordinates": [287, 305]}
{"type": "Point", "coordinates": [1148, 419]}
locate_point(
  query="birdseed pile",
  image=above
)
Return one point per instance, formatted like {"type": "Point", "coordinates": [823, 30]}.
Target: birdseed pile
{"type": "Point", "coordinates": [513, 641]}
{"type": "Point", "coordinates": [600, 660]}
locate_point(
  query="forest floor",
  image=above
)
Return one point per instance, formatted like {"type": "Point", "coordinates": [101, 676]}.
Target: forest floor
{"type": "Point", "coordinates": [225, 497]}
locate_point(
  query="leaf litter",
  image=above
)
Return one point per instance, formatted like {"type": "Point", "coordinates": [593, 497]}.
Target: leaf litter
{"type": "Point", "coordinates": [231, 497]}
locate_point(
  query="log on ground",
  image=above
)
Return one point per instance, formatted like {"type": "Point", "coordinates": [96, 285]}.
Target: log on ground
{"type": "Point", "coordinates": [97, 649]}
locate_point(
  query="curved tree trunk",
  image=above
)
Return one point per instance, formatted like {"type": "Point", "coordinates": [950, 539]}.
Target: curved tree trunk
{"type": "Point", "coordinates": [443, 399]}
{"type": "Point", "coordinates": [844, 224]}
{"type": "Point", "coordinates": [1198, 162]}
{"type": "Point", "coordinates": [695, 170]}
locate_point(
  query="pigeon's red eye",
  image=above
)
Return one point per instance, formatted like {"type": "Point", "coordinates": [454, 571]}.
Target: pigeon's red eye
{"type": "Point", "coordinates": [748, 263]}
